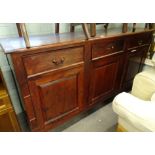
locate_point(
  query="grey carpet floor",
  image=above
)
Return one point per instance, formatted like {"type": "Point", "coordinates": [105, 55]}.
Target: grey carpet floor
{"type": "Point", "coordinates": [102, 120]}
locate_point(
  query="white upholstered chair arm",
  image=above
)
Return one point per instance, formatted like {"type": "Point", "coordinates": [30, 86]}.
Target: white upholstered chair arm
{"type": "Point", "coordinates": [139, 111]}
{"type": "Point", "coordinates": [144, 85]}
{"type": "Point", "coordinates": [153, 98]}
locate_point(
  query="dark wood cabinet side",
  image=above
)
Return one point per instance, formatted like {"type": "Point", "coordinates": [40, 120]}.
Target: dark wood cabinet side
{"type": "Point", "coordinates": [134, 62]}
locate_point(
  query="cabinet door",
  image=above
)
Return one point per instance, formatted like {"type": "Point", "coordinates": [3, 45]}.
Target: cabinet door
{"type": "Point", "coordinates": [135, 59]}
{"type": "Point", "coordinates": [57, 96]}
{"type": "Point", "coordinates": [106, 77]}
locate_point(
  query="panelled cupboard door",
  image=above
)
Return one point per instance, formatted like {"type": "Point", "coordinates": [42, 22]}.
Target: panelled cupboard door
{"type": "Point", "coordinates": [57, 95]}
{"type": "Point", "coordinates": [105, 77]}
{"type": "Point", "coordinates": [135, 60]}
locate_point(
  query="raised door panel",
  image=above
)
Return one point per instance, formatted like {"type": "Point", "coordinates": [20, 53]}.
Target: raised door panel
{"type": "Point", "coordinates": [105, 78]}
{"type": "Point", "coordinates": [57, 96]}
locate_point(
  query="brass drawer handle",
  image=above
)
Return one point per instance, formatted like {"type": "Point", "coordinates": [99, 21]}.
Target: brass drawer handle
{"type": "Point", "coordinates": [132, 51]}
{"type": "Point", "coordinates": [58, 61]}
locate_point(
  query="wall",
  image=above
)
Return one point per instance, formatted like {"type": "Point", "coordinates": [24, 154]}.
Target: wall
{"type": "Point", "coordinates": [10, 30]}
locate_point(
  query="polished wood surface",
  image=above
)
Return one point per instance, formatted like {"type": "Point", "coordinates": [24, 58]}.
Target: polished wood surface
{"type": "Point", "coordinates": [105, 77]}
{"type": "Point", "coordinates": [57, 95]}
{"type": "Point", "coordinates": [8, 120]}
{"type": "Point", "coordinates": [135, 59]}
{"type": "Point", "coordinates": [52, 60]}
{"type": "Point", "coordinates": [17, 44]}
{"type": "Point", "coordinates": [60, 80]}
{"type": "Point", "coordinates": [106, 47]}
{"type": "Point", "coordinates": [138, 40]}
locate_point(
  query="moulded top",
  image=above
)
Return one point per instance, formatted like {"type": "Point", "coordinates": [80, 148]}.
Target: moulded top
{"type": "Point", "coordinates": [17, 44]}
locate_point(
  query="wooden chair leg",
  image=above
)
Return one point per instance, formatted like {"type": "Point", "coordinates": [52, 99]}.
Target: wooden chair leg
{"type": "Point", "coordinates": [134, 27]}
{"type": "Point", "coordinates": [25, 34]}
{"type": "Point", "coordinates": [85, 29]}
{"type": "Point", "coordinates": [106, 25]}
{"type": "Point", "coordinates": [72, 27]}
{"type": "Point", "coordinates": [19, 30]}
{"type": "Point", "coordinates": [93, 29]}
{"type": "Point", "coordinates": [125, 27]}
{"type": "Point", "coordinates": [148, 25]}
{"type": "Point", "coordinates": [57, 25]}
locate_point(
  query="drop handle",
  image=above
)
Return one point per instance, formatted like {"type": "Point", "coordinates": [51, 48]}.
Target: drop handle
{"type": "Point", "coordinates": [58, 61]}
{"type": "Point", "coordinates": [132, 51]}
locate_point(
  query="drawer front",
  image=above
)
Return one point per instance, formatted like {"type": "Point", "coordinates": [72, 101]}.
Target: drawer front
{"type": "Point", "coordinates": [107, 47]}
{"type": "Point", "coordinates": [138, 40]}
{"type": "Point", "coordinates": [138, 49]}
{"type": "Point", "coordinates": [4, 102]}
{"type": "Point", "coordinates": [52, 60]}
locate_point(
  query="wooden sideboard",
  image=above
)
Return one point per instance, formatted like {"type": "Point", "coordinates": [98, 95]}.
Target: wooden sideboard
{"type": "Point", "coordinates": [59, 80]}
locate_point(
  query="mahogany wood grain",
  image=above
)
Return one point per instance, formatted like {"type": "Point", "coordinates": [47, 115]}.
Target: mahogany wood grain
{"type": "Point", "coordinates": [57, 95]}
{"type": "Point", "coordinates": [107, 47]}
{"type": "Point", "coordinates": [22, 80]}
{"type": "Point", "coordinates": [8, 120]}
{"type": "Point", "coordinates": [50, 60]}
{"type": "Point", "coordinates": [53, 92]}
{"type": "Point", "coordinates": [138, 40]}
{"type": "Point", "coordinates": [106, 77]}
{"type": "Point", "coordinates": [135, 58]}
{"type": "Point", "coordinates": [17, 45]}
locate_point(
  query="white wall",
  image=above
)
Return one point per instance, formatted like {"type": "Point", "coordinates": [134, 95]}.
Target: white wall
{"type": "Point", "coordinates": [10, 30]}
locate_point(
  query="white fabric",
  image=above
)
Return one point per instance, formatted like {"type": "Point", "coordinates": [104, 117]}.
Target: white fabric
{"type": "Point", "coordinates": [153, 98]}
{"type": "Point", "coordinates": [141, 114]}
{"type": "Point", "coordinates": [127, 125]}
{"type": "Point", "coordinates": [144, 85]}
